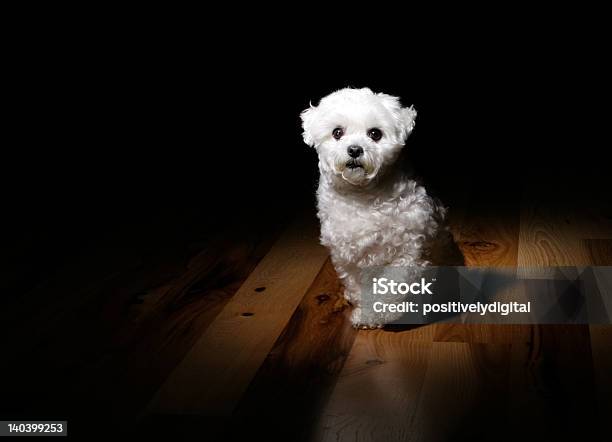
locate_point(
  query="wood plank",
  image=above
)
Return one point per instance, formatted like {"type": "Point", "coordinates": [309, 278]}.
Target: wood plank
{"type": "Point", "coordinates": [601, 339]}
{"type": "Point", "coordinates": [601, 343]}
{"type": "Point", "coordinates": [377, 387]}
{"type": "Point", "coordinates": [153, 334]}
{"type": "Point", "coordinates": [551, 234]}
{"type": "Point", "coordinates": [396, 388]}
{"type": "Point", "coordinates": [299, 373]}
{"type": "Point", "coordinates": [551, 383]}
{"type": "Point", "coordinates": [216, 372]}
{"type": "Point", "coordinates": [482, 333]}
{"type": "Point", "coordinates": [298, 376]}
{"type": "Point", "coordinates": [553, 372]}
{"type": "Point", "coordinates": [488, 235]}
{"type": "Point", "coordinates": [600, 251]}
{"type": "Point", "coordinates": [378, 390]}
{"type": "Point", "coordinates": [601, 257]}
{"type": "Point", "coordinates": [546, 239]}
{"type": "Point", "coordinates": [579, 203]}
{"type": "Point", "coordinates": [133, 327]}
{"type": "Point", "coordinates": [463, 394]}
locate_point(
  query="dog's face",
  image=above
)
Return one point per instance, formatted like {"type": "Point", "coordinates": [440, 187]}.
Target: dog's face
{"type": "Point", "coordinates": [357, 133]}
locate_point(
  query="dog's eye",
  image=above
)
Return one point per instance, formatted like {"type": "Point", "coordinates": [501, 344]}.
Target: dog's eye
{"type": "Point", "coordinates": [375, 134]}
{"type": "Point", "coordinates": [337, 133]}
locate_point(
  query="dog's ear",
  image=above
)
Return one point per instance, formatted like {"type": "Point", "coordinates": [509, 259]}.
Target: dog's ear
{"type": "Point", "coordinates": [408, 117]}
{"type": "Point", "coordinates": [308, 117]}
{"type": "Point", "coordinates": [405, 115]}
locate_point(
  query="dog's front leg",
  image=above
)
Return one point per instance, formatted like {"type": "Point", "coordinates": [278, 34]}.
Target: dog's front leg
{"type": "Point", "coordinates": [352, 293]}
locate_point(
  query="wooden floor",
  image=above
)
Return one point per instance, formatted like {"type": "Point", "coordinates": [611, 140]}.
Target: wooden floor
{"type": "Point", "coordinates": [245, 336]}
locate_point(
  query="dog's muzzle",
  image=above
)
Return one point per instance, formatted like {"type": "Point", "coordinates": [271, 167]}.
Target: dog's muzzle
{"type": "Point", "coordinates": [354, 152]}
{"type": "Point", "coordinates": [353, 164]}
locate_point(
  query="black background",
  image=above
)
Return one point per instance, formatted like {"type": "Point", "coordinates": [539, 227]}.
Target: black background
{"type": "Point", "coordinates": [109, 136]}
{"type": "Point", "coordinates": [103, 136]}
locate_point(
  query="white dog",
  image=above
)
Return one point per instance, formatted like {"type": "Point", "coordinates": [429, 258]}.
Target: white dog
{"type": "Point", "coordinates": [371, 212]}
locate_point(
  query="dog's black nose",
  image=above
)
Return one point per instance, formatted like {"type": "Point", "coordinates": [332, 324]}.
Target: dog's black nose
{"type": "Point", "coordinates": [355, 151]}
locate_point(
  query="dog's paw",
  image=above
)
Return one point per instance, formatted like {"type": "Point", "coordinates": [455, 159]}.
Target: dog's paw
{"type": "Point", "coordinates": [368, 326]}
{"type": "Point", "coordinates": [358, 321]}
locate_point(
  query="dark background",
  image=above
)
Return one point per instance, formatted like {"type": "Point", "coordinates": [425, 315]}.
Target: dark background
{"type": "Point", "coordinates": [107, 137]}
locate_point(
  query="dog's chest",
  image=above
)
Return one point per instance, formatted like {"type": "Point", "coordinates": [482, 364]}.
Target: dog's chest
{"type": "Point", "coordinates": [363, 228]}
{"type": "Point", "coordinates": [385, 229]}
{"type": "Point", "coordinates": [352, 221]}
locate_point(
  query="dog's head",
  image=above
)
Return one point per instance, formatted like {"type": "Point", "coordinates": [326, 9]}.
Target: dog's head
{"type": "Point", "coordinates": [357, 133]}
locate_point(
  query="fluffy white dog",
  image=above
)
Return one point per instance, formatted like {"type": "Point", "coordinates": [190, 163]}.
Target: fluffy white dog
{"type": "Point", "coordinates": [372, 213]}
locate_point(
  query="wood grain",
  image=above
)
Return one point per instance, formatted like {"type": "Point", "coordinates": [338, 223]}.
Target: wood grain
{"type": "Point", "coordinates": [553, 371]}
{"type": "Point", "coordinates": [299, 373]}
{"type": "Point", "coordinates": [216, 372]}
{"type": "Point", "coordinates": [601, 339]}
{"type": "Point", "coordinates": [397, 388]}
{"type": "Point", "coordinates": [488, 235]}
{"type": "Point", "coordinates": [551, 232]}
{"type": "Point", "coordinates": [153, 335]}
{"type": "Point", "coordinates": [115, 345]}
{"type": "Point", "coordinates": [462, 397]}
{"type": "Point", "coordinates": [490, 242]}
{"type": "Point", "coordinates": [108, 330]}
{"type": "Point", "coordinates": [552, 393]}
{"type": "Point", "coordinates": [488, 232]}
{"type": "Point", "coordinates": [378, 390]}
{"type": "Point", "coordinates": [547, 239]}
{"type": "Point", "coordinates": [601, 342]}
{"type": "Point", "coordinates": [482, 333]}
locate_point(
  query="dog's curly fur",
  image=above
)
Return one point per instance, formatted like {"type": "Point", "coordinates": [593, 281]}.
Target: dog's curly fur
{"type": "Point", "coordinates": [372, 213]}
